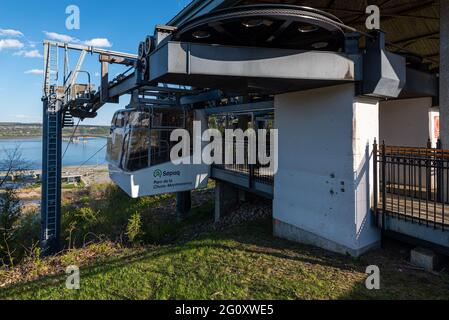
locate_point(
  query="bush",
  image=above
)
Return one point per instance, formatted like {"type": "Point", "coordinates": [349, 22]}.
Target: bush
{"type": "Point", "coordinates": [10, 211]}
{"type": "Point", "coordinates": [20, 230]}
{"type": "Point", "coordinates": [104, 215]}
{"type": "Point", "coordinates": [27, 235]}
{"type": "Point", "coordinates": [77, 223]}
{"type": "Point", "coordinates": [134, 229]}
{"type": "Point", "coordinates": [99, 214]}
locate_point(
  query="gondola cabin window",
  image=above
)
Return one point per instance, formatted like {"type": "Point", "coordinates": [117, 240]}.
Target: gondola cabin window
{"type": "Point", "coordinates": [140, 138]}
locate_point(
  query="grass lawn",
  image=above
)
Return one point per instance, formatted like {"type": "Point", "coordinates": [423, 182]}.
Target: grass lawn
{"type": "Point", "coordinates": [245, 262]}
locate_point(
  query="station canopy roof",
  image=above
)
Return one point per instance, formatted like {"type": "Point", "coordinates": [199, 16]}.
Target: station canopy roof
{"type": "Point", "coordinates": [410, 24]}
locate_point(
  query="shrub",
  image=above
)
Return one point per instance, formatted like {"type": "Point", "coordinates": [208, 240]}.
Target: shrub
{"type": "Point", "coordinates": [134, 229]}
{"type": "Point", "coordinates": [77, 223]}
{"type": "Point", "coordinates": [10, 211]}
{"type": "Point", "coordinates": [27, 234]}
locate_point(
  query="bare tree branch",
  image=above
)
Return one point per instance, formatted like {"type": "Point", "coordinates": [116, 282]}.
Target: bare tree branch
{"type": "Point", "coordinates": [12, 162]}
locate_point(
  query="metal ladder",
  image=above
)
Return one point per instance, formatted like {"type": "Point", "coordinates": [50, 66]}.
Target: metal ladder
{"type": "Point", "coordinates": [51, 67]}
{"type": "Point", "coordinates": [51, 174]}
{"type": "Point", "coordinates": [55, 118]}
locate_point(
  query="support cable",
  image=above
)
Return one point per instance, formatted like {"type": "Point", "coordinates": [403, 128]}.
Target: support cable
{"type": "Point", "coordinates": [71, 139]}
{"type": "Point", "coordinates": [85, 162]}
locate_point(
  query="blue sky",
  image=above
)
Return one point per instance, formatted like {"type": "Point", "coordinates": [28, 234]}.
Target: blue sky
{"type": "Point", "coordinates": [119, 26]}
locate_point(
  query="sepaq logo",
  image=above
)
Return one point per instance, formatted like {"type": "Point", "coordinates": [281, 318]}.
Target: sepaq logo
{"type": "Point", "coordinates": [172, 173]}
{"type": "Point", "coordinates": [159, 173]}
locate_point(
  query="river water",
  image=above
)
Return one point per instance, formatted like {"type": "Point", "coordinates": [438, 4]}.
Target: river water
{"type": "Point", "coordinates": [76, 155]}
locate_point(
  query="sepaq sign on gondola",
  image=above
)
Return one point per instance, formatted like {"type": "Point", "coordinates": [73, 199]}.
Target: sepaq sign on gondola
{"type": "Point", "coordinates": [160, 179]}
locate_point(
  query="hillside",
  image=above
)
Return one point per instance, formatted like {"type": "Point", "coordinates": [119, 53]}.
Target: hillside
{"type": "Point", "coordinates": [13, 130]}
{"type": "Point", "coordinates": [138, 249]}
{"type": "Point", "coordinates": [244, 262]}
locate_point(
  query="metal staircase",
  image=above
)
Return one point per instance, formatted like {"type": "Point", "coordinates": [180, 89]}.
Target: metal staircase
{"type": "Point", "coordinates": [67, 121]}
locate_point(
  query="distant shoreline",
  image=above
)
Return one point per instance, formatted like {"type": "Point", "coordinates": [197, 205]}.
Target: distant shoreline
{"type": "Point", "coordinates": [67, 169]}
{"type": "Point", "coordinates": [21, 137]}
{"type": "Point", "coordinates": [40, 137]}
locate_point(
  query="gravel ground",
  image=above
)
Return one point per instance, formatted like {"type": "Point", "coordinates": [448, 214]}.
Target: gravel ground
{"type": "Point", "coordinates": [252, 210]}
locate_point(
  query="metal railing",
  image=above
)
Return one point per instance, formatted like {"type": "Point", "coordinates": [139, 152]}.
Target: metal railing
{"type": "Point", "coordinates": [256, 172]}
{"type": "Point", "coordinates": [412, 184]}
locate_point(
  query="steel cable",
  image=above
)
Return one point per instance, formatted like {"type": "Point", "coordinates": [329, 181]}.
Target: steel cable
{"type": "Point", "coordinates": [71, 139]}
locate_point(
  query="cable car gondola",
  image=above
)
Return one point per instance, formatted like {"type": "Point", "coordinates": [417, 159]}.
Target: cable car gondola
{"type": "Point", "coordinates": [138, 151]}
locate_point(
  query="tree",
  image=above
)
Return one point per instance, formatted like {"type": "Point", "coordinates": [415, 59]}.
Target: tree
{"type": "Point", "coordinates": [10, 212]}
{"type": "Point", "coordinates": [11, 161]}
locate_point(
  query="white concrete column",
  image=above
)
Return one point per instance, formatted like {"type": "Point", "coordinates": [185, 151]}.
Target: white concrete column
{"type": "Point", "coordinates": [407, 122]}
{"type": "Point", "coordinates": [324, 185]}
{"type": "Point", "coordinates": [444, 72]}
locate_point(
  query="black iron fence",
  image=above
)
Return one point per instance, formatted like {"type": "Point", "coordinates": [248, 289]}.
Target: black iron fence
{"type": "Point", "coordinates": [255, 171]}
{"type": "Point", "coordinates": [412, 184]}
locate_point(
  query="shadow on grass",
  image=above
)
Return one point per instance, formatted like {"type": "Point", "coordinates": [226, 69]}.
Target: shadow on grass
{"type": "Point", "coordinates": [256, 239]}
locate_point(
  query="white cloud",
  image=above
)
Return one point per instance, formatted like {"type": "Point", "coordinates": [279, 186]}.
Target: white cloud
{"type": "Point", "coordinates": [98, 42]}
{"type": "Point", "coordinates": [60, 37]}
{"type": "Point", "coordinates": [95, 42]}
{"type": "Point", "coordinates": [10, 44]}
{"type": "Point", "coordinates": [35, 71]}
{"type": "Point", "coordinates": [29, 54]}
{"type": "Point", "coordinates": [10, 33]}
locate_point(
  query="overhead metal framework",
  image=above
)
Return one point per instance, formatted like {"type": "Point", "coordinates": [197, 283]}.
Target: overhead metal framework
{"type": "Point", "coordinates": [412, 24]}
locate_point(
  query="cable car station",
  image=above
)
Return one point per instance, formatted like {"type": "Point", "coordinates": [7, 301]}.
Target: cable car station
{"type": "Point", "coordinates": [340, 98]}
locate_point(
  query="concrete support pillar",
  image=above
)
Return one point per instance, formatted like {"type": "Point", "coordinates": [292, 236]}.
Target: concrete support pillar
{"type": "Point", "coordinates": [444, 72]}
{"type": "Point", "coordinates": [183, 204]}
{"type": "Point", "coordinates": [242, 196]}
{"type": "Point", "coordinates": [324, 185]}
{"type": "Point", "coordinates": [226, 197]}
{"type": "Point", "coordinates": [244, 122]}
{"type": "Point", "coordinates": [407, 122]}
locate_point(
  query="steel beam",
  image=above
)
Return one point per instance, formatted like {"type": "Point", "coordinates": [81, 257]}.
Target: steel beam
{"type": "Point", "coordinates": [79, 47]}
{"type": "Point", "coordinates": [250, 69]}
{"type": "Point", "coordinates": [74, 75]}
{"type": "Point", "coordinates": [242, 108]}
{"type": "Point", "coordinates": [444, 72]}
{"type": "Point", "coordinates": [212, 95]}
{"type": "Point", "coordinates": [420, 84]}
{"type": "Point", "coordinates": [385, 73]}
{"type": "Point", "coordinates": [124, 86]}
{"type": "Point", "coordinates": [117, 60]}
{"type": "Point", "coordinates": [104, 89]}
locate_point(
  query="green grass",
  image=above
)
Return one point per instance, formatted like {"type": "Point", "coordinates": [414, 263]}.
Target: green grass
{"type": "Point", "coordinates": [70, 186]}
{"type": "Point", "coordinates": [245, 262]}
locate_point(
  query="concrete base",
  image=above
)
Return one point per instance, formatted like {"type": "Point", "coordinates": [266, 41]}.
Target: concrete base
{"type": "Point", "coordinates": [424, 258]}
{"type": "Point", "coordinates": [292, 233]}
{"type": "Point", "coordinates": [226, 197]}
{"type": "Point", "coordinates": [183, 204]}
{"type": "Point", "coordinates": [242, 195]}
